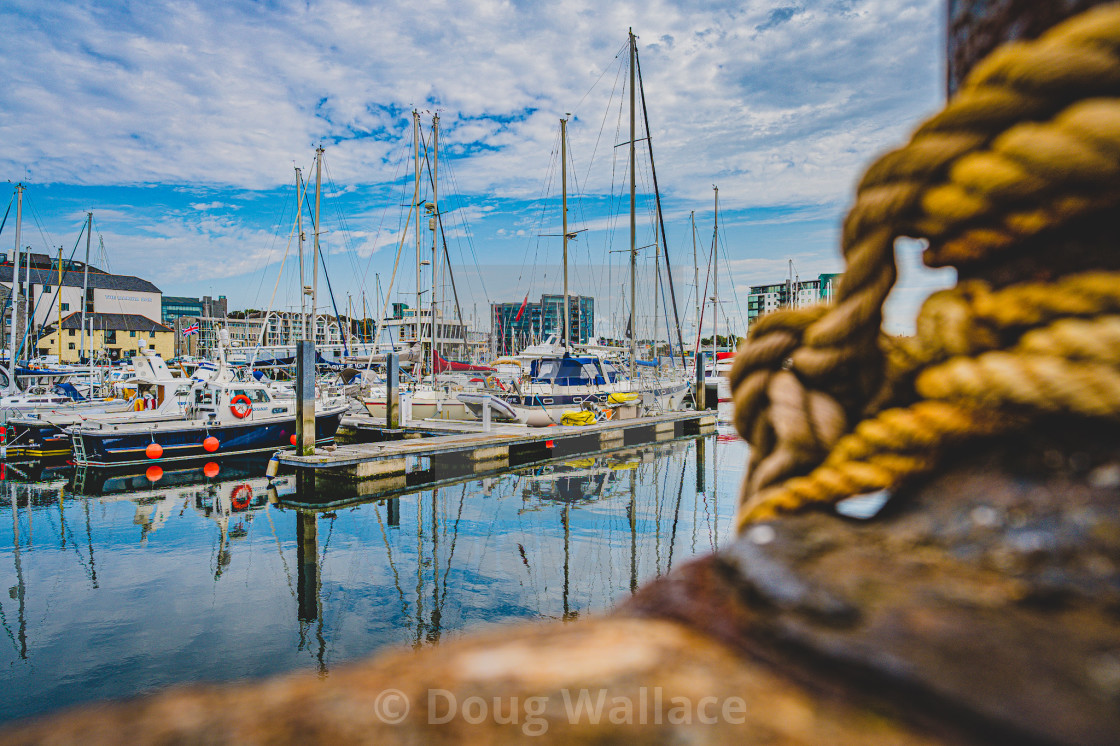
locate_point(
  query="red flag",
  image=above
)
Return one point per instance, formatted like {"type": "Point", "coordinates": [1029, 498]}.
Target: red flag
{"type": "Point", "coordinates": [522, 309]}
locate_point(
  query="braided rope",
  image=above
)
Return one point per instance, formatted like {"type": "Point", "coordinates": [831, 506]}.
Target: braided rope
{"type": "Point", "coordinates": [1030, 143]}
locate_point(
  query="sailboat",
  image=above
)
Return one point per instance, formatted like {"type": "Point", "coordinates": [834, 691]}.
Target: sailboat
{"type": "Point", "coordinates": [717, 374]}
{"type": "Point", "coordinates": [563, 389]}
{"type": "Point", "coordinates": [44, 390]}
{"type": "Point", "coordinates": [430, 398]}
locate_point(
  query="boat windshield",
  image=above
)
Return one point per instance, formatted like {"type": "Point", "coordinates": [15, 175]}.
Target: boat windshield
{"type": "Point", "coordinates": [257, 396]}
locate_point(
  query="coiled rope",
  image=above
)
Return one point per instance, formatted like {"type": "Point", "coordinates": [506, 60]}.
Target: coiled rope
{"type": "Point", "coordinates": [831, 406]}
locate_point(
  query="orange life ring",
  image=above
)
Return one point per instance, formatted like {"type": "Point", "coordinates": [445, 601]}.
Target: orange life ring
{"type": "Point", "coordinates": [241, 412]}
{"type": "Point", "coordinates": [240, 498]}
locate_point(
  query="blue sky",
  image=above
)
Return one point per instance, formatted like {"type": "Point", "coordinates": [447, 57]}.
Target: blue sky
{"type": "Point", "coordinates": [179, 124]}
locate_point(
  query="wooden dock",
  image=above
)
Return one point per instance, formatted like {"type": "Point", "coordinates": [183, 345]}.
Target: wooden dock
{"type": "Point", "coordinates": [432, 452]}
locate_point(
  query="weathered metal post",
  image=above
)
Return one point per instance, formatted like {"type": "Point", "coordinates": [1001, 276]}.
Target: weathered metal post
{"type": "Point", "coordinates": [701, 463]}
{"type": "Point", "coordinates": [699, 389]}
{"type": "Point", "coordinates": [305, 398]}
{"type": "Point", "coordinates": [307, 566]}
{"type": "Point", "coordinates": [406, 407]}
{"type": "Point", "coordinates": [392, 391]}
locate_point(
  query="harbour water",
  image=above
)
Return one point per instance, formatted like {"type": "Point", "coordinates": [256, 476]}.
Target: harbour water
{"type": "Point", "coordinates": [120, 585]}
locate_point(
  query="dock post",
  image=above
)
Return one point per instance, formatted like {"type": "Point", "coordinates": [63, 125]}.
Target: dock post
{"type": "Point", "coordinates": [307, 566]}
{"type": "Point", "coordinates": [486, 414]}
{"type": "Point", "coordinates": [392, 391]}
{"type": "Point", "coordinates": [305, 398]}
{"type": "Point", "coordinates": [393, 508]}
{"type": "Point", "coordinates": [406, 407]}
{"type": "Point", "coordinates": [701, 462]}
{"type": "Point", "coordinates": [700, 389]}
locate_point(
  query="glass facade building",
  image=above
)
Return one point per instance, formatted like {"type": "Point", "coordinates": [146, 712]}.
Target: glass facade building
{"type": "Point", "coordinates": [539, 320]}
{"type": "Point", "coordinates": [766, 298]}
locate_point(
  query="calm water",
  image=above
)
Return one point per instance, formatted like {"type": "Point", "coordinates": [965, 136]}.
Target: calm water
{"type": "Point", "coordinates": [119, 586]}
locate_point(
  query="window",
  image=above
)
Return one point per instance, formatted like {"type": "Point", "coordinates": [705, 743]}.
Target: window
{"type": "Point", "coordinates": [70, 346]}
{"type": "Point", "coordinates": [152, 335]}
{"type": "Point", "coordinates": [111, 337]}
{"type": "Point", "coordinates": [257, 396]}
{"type": "Point", "coordinates": [65, 306]}
{"type": "Point", "coordinates": [71, 333]}
{"type": "Point", "coordinates": [132, 334]}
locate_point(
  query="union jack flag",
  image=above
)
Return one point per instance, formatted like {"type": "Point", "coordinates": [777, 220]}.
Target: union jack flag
{"type": "Point", "coordinates": [192, 329]}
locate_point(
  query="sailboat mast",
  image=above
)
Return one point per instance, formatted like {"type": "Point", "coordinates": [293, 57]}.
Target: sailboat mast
{"type": "Point", "coordinates": [715, 280]}
{"type": "Point", "coordinates": [695, 274]}
{"type": "Point", "coordinates": [16, 287]}
{"type": "Point", "coordinates": [633, 222]}
{"type": "Point", "coordinates": [656, 295]}
{"type": "Point", "coordinates": [315, 248]}
{"type": "Point", "coordinates": [85, 290]}
{"type": "Point", "coordinates": [434, 224]}
{"type": "Point", "coordinates": [299, 234]}
{"type": "Point", "coordinates": [58, 303]}
{"type": "Point", "coordinates": [564, 213]}
{"type": "Point", "coordinates": [416, 204]}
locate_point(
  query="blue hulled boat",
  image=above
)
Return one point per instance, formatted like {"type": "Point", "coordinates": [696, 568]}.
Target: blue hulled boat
{"type": "Point", "coordinates": [221, 417]}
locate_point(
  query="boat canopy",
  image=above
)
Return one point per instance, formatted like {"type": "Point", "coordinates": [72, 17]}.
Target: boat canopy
{"type": "Point", "coordinates": [568, 371]}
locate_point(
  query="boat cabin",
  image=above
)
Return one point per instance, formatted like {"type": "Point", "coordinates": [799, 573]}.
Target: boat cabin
{"type": "Point", "coordinates": [573, 371]}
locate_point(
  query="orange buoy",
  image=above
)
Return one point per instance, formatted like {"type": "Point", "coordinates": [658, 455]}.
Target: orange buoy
{"type": "Point", "coordinates": [292, 439]}
{"type": "Point", "coordinates": [210, 444]}
{"type": "Point", "coordinates": [154, 450]}
{"type": "Point", "coordinates": [210, 469]}
{"type": "Point", "coordinates": [154, 473]}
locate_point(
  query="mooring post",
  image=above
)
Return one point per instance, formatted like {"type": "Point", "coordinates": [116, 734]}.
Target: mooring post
{"type": "Point", "coordinates": [700, 391]}
{"type": "Point", "coordinates": [406, 407]}
{"type": "Point", "coordinates": [305, 398]}
{"type": "Point", "coordinates": [307, 566]}
{"type": "Point", "coordinates": [392, 391]}
{"type": "Point", "coordinates": [486, 413]}
{"type": "Point", "coordinates": [701, 462]}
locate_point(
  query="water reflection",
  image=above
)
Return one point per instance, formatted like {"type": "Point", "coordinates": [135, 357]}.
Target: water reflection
{"type": "Point", "coordinates": [119, 583]}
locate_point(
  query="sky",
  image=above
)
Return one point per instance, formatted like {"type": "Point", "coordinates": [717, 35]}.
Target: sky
{"type": "Point", "coordinates": [180, 124]}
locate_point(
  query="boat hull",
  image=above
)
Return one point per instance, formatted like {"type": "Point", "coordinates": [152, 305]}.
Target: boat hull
{"type": "Point", "coordinates": [41, 440]}
{"type": "Point", "coordinates": [126, 446]}
{"type": "Point", "coordinates": [444, 409]}
{"type": "Point", "coordinates": [540, 410]}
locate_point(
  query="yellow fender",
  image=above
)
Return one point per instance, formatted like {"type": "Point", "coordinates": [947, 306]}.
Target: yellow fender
{"type": "Point", "coordinates": [577, 418]}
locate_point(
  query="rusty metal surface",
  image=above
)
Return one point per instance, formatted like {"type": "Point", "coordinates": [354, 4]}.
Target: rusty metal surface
{"type": "Point", "coordinates": [983, 607]}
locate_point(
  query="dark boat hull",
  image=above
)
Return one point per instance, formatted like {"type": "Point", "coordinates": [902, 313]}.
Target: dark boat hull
{"type": "Point", "coordinates": [38, 441]}
{"type": "Point", "coordinates": [116, 448]}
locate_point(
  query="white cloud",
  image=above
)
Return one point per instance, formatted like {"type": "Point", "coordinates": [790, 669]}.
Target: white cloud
{"type": "Point", "coordinates": [777, 103]}
{"type": "Point", "coordinates": [780, 104]}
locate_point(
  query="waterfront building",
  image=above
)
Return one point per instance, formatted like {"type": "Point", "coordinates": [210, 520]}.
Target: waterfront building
{"type": "Point", "coordinates": [175, 306]}
{"type": "Point", "coordinates": [281, 329]}
{"type": "Point", "coordinates": [790, 294]}
{"type": "Point", "coordinates": [514, 328]}
{"type": "Point", "coordinates": [44, 297]}
{"type": "Point", "coordinates": [116, 336]}
{"type": "Point", "coordinates": [403, 329]}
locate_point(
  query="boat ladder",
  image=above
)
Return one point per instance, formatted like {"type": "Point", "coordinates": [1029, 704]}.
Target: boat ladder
{"type": "Point", "coordinates": [79, 447]}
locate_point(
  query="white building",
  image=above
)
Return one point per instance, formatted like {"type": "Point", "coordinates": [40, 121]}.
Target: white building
{"type": "Point", "coordinates": [44, 297]}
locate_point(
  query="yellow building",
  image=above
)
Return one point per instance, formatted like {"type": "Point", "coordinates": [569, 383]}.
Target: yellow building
{"type": "Point", "coordinates": [115, 336]}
